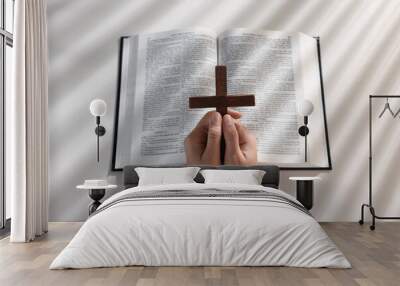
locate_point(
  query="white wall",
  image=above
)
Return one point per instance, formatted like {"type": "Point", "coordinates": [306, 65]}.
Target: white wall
{"type": "Point", "coordinates": [360, 43]}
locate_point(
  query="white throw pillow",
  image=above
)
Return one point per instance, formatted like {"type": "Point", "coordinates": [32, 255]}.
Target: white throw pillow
{"type": "Point", "coordinates": [248, 177]}
{"type": "Point", "coordinates": [163, 176]}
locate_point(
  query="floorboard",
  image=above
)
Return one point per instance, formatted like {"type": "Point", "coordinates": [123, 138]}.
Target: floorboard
{"type": "Point", "coordinates": [375, 257]}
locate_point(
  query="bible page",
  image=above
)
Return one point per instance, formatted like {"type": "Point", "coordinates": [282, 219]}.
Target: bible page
{"type": "Point", "coordinates": [311, 84]}
{"type": "Point", "coordinates": [165, 69]}
{"type": "Point", "coordinates": [266, 64]}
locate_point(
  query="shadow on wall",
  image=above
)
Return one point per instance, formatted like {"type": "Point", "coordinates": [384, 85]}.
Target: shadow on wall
{"type": "Point", "coordinates": [359, 53]}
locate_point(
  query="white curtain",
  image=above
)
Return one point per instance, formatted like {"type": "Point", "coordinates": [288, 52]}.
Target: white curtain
{"type": "Point", "coordinates": [26, 123]}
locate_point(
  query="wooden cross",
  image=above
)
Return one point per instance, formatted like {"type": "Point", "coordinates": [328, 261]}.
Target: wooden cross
{"type": "Point", "coordinates": [221, 101]}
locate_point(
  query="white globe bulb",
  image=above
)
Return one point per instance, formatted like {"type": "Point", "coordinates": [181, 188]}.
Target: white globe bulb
{"type": "Point", "coordinates": [98, 107]}
{"type": "Point", "coordinates": [305, 107]}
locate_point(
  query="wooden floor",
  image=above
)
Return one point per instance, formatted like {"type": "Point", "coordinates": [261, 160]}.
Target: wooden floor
{"type": "Point", "coordinates": [375, 257]}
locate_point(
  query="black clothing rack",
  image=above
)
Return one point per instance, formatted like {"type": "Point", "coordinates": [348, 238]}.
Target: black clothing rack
{"type": "Point", "coordinates": [370, 205]}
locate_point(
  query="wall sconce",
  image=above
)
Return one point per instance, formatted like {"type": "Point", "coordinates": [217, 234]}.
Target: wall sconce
{"type": "Point", "coordinates": [98, 108]}
{"type": "Point", "coordinates": [305, 108]}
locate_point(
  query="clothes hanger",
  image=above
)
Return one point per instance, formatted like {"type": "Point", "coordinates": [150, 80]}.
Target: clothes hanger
{"type": "Point", "coordinates": [387, 107]}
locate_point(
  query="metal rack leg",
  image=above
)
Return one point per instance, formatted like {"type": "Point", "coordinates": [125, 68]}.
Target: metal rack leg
{"type": "Point", "coordinates": [374, 216]}
{"type": "Point", "coordinates": [372, 210]}
{"type": "Point", "coordinates": [361, 221]}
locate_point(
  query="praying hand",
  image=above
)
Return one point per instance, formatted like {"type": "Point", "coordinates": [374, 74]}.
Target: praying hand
{"type": "Point", "coordinates": [203, 144]}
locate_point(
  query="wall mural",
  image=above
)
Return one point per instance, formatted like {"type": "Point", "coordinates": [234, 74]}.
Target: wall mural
{"type": "Point", "coordinates": [243, 97]}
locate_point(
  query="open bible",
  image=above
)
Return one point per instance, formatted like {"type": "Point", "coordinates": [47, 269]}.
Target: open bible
{"type": "Point", "coordinates": [160, 71]}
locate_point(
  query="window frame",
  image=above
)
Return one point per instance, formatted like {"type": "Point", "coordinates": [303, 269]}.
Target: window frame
{"type": "Point", "coordinates": [6, 39]}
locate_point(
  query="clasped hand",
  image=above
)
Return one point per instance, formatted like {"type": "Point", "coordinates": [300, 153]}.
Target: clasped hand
{"type": "Point", "coordinates": [203, 144]}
